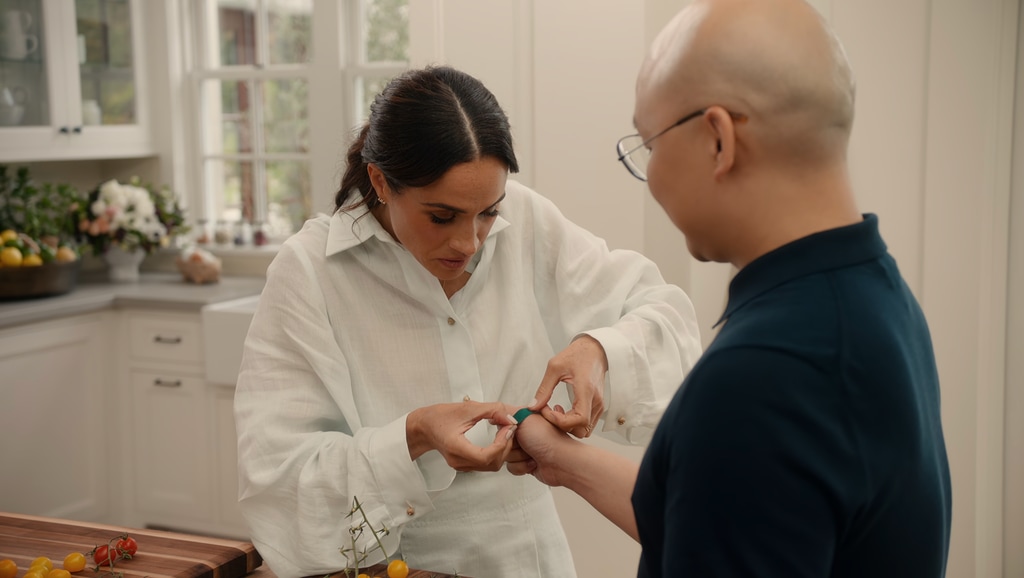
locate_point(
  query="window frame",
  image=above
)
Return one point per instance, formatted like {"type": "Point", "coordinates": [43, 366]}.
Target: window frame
{"type": "Point", "coordinates": [336, 67]}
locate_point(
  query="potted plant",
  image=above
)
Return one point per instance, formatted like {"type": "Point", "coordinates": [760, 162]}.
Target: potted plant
{"type": "Point", "coordinates": [124, 222]}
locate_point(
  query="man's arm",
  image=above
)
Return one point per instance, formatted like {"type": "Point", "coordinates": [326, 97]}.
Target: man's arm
{"type": "Point", "coordinates": [602, 478]}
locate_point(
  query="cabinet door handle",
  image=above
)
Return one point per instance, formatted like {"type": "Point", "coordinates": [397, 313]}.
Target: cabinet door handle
{"type": "Point", "coordinates": [167, 340]}
{"type": "Point", "coordinates": [64, 130]}
{"type": "Point", "coordinates": [77, 130]}
{"type": "Point", "coordinates": [161, 383]}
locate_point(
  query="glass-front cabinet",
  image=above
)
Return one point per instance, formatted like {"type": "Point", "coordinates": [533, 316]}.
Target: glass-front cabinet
{"type": "Point", "coordinates": [70, 80]}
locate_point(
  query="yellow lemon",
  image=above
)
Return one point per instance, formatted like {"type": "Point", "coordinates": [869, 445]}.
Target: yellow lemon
{"type": "Point", "coordinates": [66, 254]}
{"type": "Point", "coordinates": [10, 257]}
{"type": "Point", "coordinates": [31, 260]}
{"type": "Point", "coordinates": [8, 235]}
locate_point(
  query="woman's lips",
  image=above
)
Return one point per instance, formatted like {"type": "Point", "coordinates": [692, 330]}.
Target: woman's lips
{"type": "Point", "coordinates": [454, 263]}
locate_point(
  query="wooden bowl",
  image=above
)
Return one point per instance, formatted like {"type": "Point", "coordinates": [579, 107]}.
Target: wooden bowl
{"type": "Point", "coordinates": [45, 280]}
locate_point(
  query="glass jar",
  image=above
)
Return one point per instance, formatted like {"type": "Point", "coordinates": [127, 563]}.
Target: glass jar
{"type": "Point", "coordinates": [222, 234]}
{"type": "Point", "coordinates": [203, 232]}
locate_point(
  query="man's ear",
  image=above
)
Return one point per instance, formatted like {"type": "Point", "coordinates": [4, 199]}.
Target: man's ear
{"type": "Point", "coordinates": [724, 130]}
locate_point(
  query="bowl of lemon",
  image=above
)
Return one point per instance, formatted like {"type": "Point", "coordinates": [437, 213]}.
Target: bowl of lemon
{"type": "Point", "coordinates": [31, 268]}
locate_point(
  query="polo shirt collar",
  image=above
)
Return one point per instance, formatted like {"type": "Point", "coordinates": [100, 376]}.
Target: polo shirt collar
{"type": "Point", "coordinates": [349, 229]}
{"type": "Point", "coordinates": [817, 253]}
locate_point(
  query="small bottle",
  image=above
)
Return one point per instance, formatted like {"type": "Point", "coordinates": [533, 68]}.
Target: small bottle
{"type": "Point", "coordinates": [243, 233]}
{"type": "Point", "coordinates": [202, 232]}
{"type": "Point", "coordinates": [222, 235]}
{"type": "Point", "coordinates": [259, 234]}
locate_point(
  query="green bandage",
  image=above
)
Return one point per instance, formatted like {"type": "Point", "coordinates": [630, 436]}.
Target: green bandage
{"type": "Point", "coordinates": [522, 414]}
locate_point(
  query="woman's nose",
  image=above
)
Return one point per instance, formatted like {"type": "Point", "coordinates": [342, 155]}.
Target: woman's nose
{"type": "Point", "coordinates": [467, 241]}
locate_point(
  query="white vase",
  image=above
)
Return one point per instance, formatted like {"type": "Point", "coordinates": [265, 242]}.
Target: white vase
{"type": "Point", "coordinates": [123, 266]}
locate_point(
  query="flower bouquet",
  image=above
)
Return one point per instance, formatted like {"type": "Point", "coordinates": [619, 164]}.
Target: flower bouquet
{"type": "Point", "coordinates": [131, 217]}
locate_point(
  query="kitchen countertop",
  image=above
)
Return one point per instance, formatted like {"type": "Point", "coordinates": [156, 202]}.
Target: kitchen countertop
{"type": "Point", "coordinates": [153, 291]}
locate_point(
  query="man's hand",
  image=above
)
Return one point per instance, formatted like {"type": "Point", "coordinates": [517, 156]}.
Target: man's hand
{"type": "Point", "coordinates": [443, 426]}
{"type": "Point", "coordinates": [540, 448]}
{"type": "Point", "coordinates": [582, 366]}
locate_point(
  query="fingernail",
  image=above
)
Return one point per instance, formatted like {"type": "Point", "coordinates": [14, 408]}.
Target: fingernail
{"type": "Point", "coordinates": [532, 403]}
{"type": "Point", "coordinates": [512, 419]}
{"type": "Point", "coordinates": [511, 431]}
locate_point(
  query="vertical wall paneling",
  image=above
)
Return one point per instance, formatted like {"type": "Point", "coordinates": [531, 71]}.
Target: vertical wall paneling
{"type": "Point", "coordinates": [889, 60]}
{"type": "Point", "coordinates": [964, 261]}
{"type": "Point", "coordinates": [1013, 486]}
{"type": "Point", "coordinates": [585, 63]}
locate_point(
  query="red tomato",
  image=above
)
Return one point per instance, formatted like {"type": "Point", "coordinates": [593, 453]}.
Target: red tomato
{"type": "Point", "coordinates": [127, 546]}
{"type": "Point", "coordinates": [104, 556]}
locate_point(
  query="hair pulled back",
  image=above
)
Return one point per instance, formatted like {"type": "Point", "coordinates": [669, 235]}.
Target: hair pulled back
{"type": "Point", "coordinates": [423, 123]}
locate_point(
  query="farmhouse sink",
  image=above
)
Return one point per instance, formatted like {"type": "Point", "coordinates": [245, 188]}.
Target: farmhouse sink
{"type": "Point", "coordinates": [225, 325]}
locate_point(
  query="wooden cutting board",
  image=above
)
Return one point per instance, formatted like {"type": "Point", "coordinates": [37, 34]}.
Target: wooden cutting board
{"type": "Point", "coordinates": [161, 554]}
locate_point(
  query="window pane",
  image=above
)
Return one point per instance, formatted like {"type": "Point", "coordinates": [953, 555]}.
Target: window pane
{"type": "Point", "coordinates": [289, 24]}
{"type": "Point", "coordinates": [286, 115]}
{"type": "Point", "coordinates": [230, 110]}
{"type": "Point", "coordinates": [289, 195]}
{"type": "Point", "coordinates": [367, 89]}
{"type": "Point", "coordinates": [105, 61]}
{"type": "Point", "coordinates": [237, 32]}
{"type": "Point", "coordinates": [24, 91]}
{"type": "Point", "coordinates": [387, 30]}
{"type": "Point", "coordinates": [231, 186]}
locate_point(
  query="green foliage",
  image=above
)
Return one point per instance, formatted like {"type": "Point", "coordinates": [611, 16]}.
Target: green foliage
{"type": "Point", "coordinates": [38, 209]}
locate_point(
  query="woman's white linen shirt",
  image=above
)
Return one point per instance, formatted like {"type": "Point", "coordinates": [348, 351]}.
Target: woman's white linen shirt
{"type": "Point", "coordinates": [352, 333]}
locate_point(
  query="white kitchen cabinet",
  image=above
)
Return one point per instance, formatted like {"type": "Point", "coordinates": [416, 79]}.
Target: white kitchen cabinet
{"type": "Point", "coordinates": [163, 370]}
{"type": "Point", "coordinates": [72, 84]}
{"type": "Point", "coordinates": [183, 458]}
{"type": "Point", "coordinates": [58, 417]}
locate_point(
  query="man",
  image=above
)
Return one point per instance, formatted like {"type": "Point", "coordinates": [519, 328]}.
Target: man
{"type": "Point", "coordinates": [807, 440]}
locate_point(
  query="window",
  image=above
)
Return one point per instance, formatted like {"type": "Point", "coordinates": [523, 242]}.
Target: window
{"type": "Point", "coordinates": [260, 69]}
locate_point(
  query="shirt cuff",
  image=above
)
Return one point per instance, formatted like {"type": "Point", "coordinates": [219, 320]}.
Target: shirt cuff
{"type": "Point", "coordinates": [620, 388]}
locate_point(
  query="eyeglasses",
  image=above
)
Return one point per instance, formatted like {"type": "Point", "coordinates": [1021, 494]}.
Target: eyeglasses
{"type": "Point", "coordinates": [634, 152]}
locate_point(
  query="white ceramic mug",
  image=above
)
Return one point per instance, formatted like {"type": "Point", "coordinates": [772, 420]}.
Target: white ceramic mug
{"type": "Point", "coordinates": [15, 42]}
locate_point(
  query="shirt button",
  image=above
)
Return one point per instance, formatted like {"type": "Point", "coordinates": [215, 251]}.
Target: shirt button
{"type": "Point", "coordinates": [410, 511]}
{"type": "Point", "coordinates": [451, 321]}
{"type": "Point", "coordinates": [621, 420]}
{"type": "Point", "coordinates": [465, 398]}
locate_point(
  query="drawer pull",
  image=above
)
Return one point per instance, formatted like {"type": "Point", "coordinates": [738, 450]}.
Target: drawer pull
{"type": "Point", "coordinates": [167, 340]}
{"type": "Point", "coordinates": [161, 383]}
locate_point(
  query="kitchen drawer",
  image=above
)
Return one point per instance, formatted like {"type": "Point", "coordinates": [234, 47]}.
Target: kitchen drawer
{"type": "Point", "coordinates": [165, 339]}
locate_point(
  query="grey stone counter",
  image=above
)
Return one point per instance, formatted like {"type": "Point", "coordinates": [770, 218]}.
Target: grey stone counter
{"type": "Point", "coordinates": [153, 291]}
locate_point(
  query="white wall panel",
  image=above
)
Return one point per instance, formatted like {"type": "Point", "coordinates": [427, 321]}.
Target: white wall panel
{"type": "Point", "coordinates": [889, 57]}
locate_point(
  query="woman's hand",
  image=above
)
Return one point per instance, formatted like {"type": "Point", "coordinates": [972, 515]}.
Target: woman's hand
{"type": "Point", "coordinates": [443, 426]}
{"type": "Point", "coordinates": [582, 365]}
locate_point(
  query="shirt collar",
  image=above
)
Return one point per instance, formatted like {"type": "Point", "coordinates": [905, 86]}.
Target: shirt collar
{"type": "Point", "coordinates": [817, 253]}
{"type": "Point", "coordinates": [349, 229]}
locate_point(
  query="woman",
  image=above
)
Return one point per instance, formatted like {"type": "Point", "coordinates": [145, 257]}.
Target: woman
{"type": "Point", "coordinates": [394, 337]}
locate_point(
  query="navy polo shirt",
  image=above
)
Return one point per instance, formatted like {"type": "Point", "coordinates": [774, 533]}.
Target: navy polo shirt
{"type": "Point", "coordinates": [807, 440]}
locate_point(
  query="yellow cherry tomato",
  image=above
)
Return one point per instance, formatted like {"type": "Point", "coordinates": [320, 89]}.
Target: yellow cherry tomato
{"type": "Point", "coordinates": [8, 569]}
{"type": "Point", "coordinates": [42, 561]}
{"type": "Point", "coordinates": [398, 569]}
{"type": "Point", "coordinates": [74, 562]}
{"type": "Point", "coordinates": [59, 573]}
{"type": "Point", "coordinates": [35, 572]}
{"type": "Point", "coordinates": [363, 576]}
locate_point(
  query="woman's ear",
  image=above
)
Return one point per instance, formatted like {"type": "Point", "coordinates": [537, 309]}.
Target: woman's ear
{"type": "Point", "coordinates": [724, 130]}
{"type": "Point", "coordinates": [378, 181]}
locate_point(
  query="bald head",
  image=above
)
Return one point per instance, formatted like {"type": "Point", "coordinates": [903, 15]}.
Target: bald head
{"type": "Point", "coordinates": [776, 61]}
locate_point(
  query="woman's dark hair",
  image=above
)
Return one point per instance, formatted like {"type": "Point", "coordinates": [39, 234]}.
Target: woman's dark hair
{"type": "Point", "coordinates": [423, 123]}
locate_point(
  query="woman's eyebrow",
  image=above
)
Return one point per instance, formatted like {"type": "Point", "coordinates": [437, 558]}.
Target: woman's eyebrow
{"type": "Point", "coordinates": [445, 207]}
